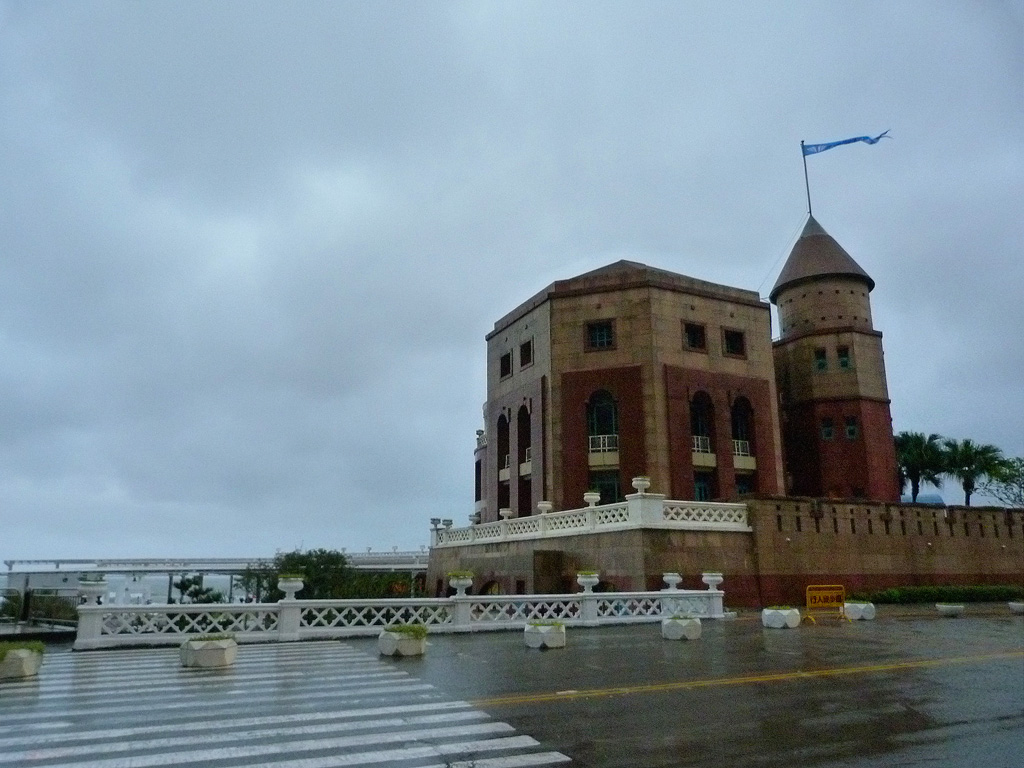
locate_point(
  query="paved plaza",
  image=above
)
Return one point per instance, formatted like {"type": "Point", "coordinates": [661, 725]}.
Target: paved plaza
{"type": "Point", "coordinates": [908, 689]}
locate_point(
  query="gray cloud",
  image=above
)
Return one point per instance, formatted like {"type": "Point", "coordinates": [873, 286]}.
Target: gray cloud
{"type": "Point", "coordinates": [249, 253]}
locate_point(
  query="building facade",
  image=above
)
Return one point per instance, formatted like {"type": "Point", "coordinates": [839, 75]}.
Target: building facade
{"type": "Point", "coordinates": [630, 370]}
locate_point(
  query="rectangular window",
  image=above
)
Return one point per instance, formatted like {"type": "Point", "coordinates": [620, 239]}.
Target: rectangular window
{"type": "Point", "coordinates": [526, 353]}
{"type": "Point", "coordinates": [601, 335]}
{"type": "Point", "coordinates": [703, 486]}
{"type": "Point", "coordinates": [478, 486]}
{"type": "Point", "coordinates": [606, 482]}
{"type": "Point", "coordinates": [734, 343]}
{"type": "Point", "coordinates": [851, 428]}
{"type": "Point", "coordinates": [505, 365]}
{"type": "Point", "coordinates": [695, 337]}
{"type": "Point", "coordinates": [843, 354]}
{"type": "Point", "coordinates": [820, 360]}
{"type": "Point", "coordinates": [827, 429]}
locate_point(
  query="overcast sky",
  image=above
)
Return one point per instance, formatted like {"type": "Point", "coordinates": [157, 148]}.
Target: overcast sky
{"type": "Point", "coordinates": [249, 252]}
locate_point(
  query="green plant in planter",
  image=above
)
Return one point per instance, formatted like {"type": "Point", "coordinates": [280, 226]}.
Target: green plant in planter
{"type": "Point", "coordinates": [17, 645]}
{"type": "Point", "coordinates": [460, 574]}
{"type": "Point", "coordinates": [291, 576]}
{"type": "Point", "coordinates": [544, 623]}
{"type": "Point", "coordinates": [417, 631]}
{"type": "Point", "coordinates": [588, 573]}
{"type": "Point", "coordinates": [220, 636]}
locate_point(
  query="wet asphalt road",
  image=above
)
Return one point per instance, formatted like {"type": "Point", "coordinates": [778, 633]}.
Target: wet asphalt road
{"type": "Point", "coordinates": [908, 689]}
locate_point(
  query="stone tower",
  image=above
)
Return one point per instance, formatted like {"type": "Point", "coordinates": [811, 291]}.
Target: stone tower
{"type": "Point", "coordinates": [834, 401]}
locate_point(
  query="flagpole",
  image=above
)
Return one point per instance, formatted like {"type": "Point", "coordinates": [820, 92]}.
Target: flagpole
{"type": "Point", "coordinates": [807, 184]}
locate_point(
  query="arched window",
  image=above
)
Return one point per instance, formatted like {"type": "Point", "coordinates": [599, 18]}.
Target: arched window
{"type": "Point", "coordinates": [602, 422]}
{"type": "Point", "coordinates": [524, 453]}
{"type": "Point", "coordinates": [702, 423]}
{"type": "Point", "coordinates": [504, 493]}
{"type": "Point", "coordinates": [523, 434]}
{"type": "Point", "coordinates": [742, 427]}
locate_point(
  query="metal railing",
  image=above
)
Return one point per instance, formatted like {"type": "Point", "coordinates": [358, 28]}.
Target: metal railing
{"type": "Point", "coordinates": [701, 444]}
{"type": "Point", "coordinates": [604, 443]}
{"type": "Point", "coordinates": [740, 447]}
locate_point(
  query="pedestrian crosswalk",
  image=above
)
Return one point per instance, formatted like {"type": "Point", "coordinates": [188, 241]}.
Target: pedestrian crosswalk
{"type": "Point", "coordinates": [296, 705]}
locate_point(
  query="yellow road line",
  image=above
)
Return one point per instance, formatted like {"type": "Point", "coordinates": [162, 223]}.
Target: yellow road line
{"type": "Point", "coordinates": [594, 693]}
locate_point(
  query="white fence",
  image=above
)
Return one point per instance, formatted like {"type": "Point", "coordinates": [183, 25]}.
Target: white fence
{"type": "Point", "coordinates": [102, 626]}
{"type": "Point", "coordinates": [639, 510]}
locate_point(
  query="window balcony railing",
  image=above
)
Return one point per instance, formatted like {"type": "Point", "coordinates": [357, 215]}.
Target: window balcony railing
{"type": "Point", "coordinates": [740, 447]}
{"type": "Point", "coordinates": [604, 443]}
{"type": "Point", "coordinates": [701, 444]}
{"type": "Point", "coordinates": [527, 454]}
{"type": "Point", "coordinates": [505, 462]}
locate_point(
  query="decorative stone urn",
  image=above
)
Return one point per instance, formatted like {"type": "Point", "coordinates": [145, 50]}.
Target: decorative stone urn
{"type": "Point", "coordinates": [289, 584]}
{"type": "Point", "coordinates": [949, 610]}
{"type": "Point", "coordinates": [680, 628]}
{"type": "Point", "coordinates": [505, 513]}
{"type": "Point", "coordinates": [460, 582]}
{"type": "Point", "coordinates": [591, 498]}
{"type": "Point", "coordinates": [780, 618]}
{"type": "Point", "coordinates": [1017, 608]}
{"type": "Point", "coordinates": [672, 579]}
{"type": "Point", "coordinates": [545, 507]}
{"type": "Point", "coordinates": [92, 590]}
{"type": "Point", "coordinates": [588, 580]}
{"type": "Point", "coordinates": [641, 484]}
{"type": "Point", "coordinates": [712, 579]}
{"type": "Point", "coordinates": [859, 611]}
{"type": "Point", "coordinates": [20, 662]}
{"type": "Point", "coordinates": [402, 643]}
{"type": "Point", "coordinates": [208, 653]}
{"type": "Point", "coordinates": [544, 635]}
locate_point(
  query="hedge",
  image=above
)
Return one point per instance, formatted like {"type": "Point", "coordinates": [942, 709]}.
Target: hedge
{"type": "Point", "coordinates": [944, 594]}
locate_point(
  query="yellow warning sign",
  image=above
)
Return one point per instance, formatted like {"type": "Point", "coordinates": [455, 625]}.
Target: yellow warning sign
{"type": "Point", "coordinates": [825, 598]}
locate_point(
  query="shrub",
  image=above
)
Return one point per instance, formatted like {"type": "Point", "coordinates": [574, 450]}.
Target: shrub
{"type": "Point", "coordinates": [985, 593]}
{"type": "Point", "coordinates": [31, 645]}
{"type": "Point", "coordinates": [418, 631]}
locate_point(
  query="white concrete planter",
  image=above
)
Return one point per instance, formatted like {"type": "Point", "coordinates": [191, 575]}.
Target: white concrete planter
{"type": "Point", "coordinates": [20, 662]}
{"type": "Point", "coordinates": [400, 644]}
{"type": "Point", "coordinates": [641, 484]}
{"type": "Point", "coordinates": [206, 654]}
{"type": "Point", "coordinates": [674, 628]}
{"type": "Point", "coordinates": [949, 609]}
{"type": "Point", "coordinates": [672, 579]}
{"type": "Point", "coordinates": [544, 636]}
{"type": "Point", "coordinates": [712, 579]}
{"type": "Point", "coordinates": [588, 581]}
{"type": "Point", "coordinates": [1017, 608]}
{"type": "Point", "coordinates": [460, 584]}
{"type": "Point", "coordinates": [591, 498]}
{"type": "Point", "coordinates": [289, 586]}
{"type": "Point", "coordinates": [859, 611]}
{"type": "Point", "coordinates": [780, 618]}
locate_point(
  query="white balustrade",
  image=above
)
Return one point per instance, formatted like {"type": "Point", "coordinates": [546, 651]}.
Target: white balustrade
{"type": "Point", "coordinates": [112, 626]}
{"type": "Point", "coordinates": [604, 443]}
{"type": "Point", "coordinates": [647, 510]}
{"type": "Point", "coordinates": [740, 447]}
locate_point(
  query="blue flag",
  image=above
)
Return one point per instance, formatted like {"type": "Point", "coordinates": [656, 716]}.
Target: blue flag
{"type": "Point", "coordinates": [813, 149]}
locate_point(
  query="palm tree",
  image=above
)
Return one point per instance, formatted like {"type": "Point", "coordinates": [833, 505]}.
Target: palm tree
{"type": "Point", "coordinates": [968, 462]}
{"type": "Point", "coordinates": [919, 458]}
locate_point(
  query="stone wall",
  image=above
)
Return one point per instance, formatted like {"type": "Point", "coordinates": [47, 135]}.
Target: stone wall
{"type": "Point", "coordinates": [795, 542]}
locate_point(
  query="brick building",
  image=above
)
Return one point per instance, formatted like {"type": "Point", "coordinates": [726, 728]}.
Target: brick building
{"type": "Point", "coordinates": [631, 370]}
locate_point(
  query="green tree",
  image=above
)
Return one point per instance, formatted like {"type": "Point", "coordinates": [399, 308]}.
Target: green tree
{"type": "Point", "coordinates": [1006, 484]}
{"type": "Point", "coordinates": [193, 591]}
{"type": "Point", "coordinates": [970, 462]}
{"type": "Point", "coordinates": [326, 575]}
{"type": "Point", "coordinates": [920, 459]}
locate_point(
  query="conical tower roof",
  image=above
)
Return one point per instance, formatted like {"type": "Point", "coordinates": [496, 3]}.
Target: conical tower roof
{"type": "Point", "coordinates": [817, 254]}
